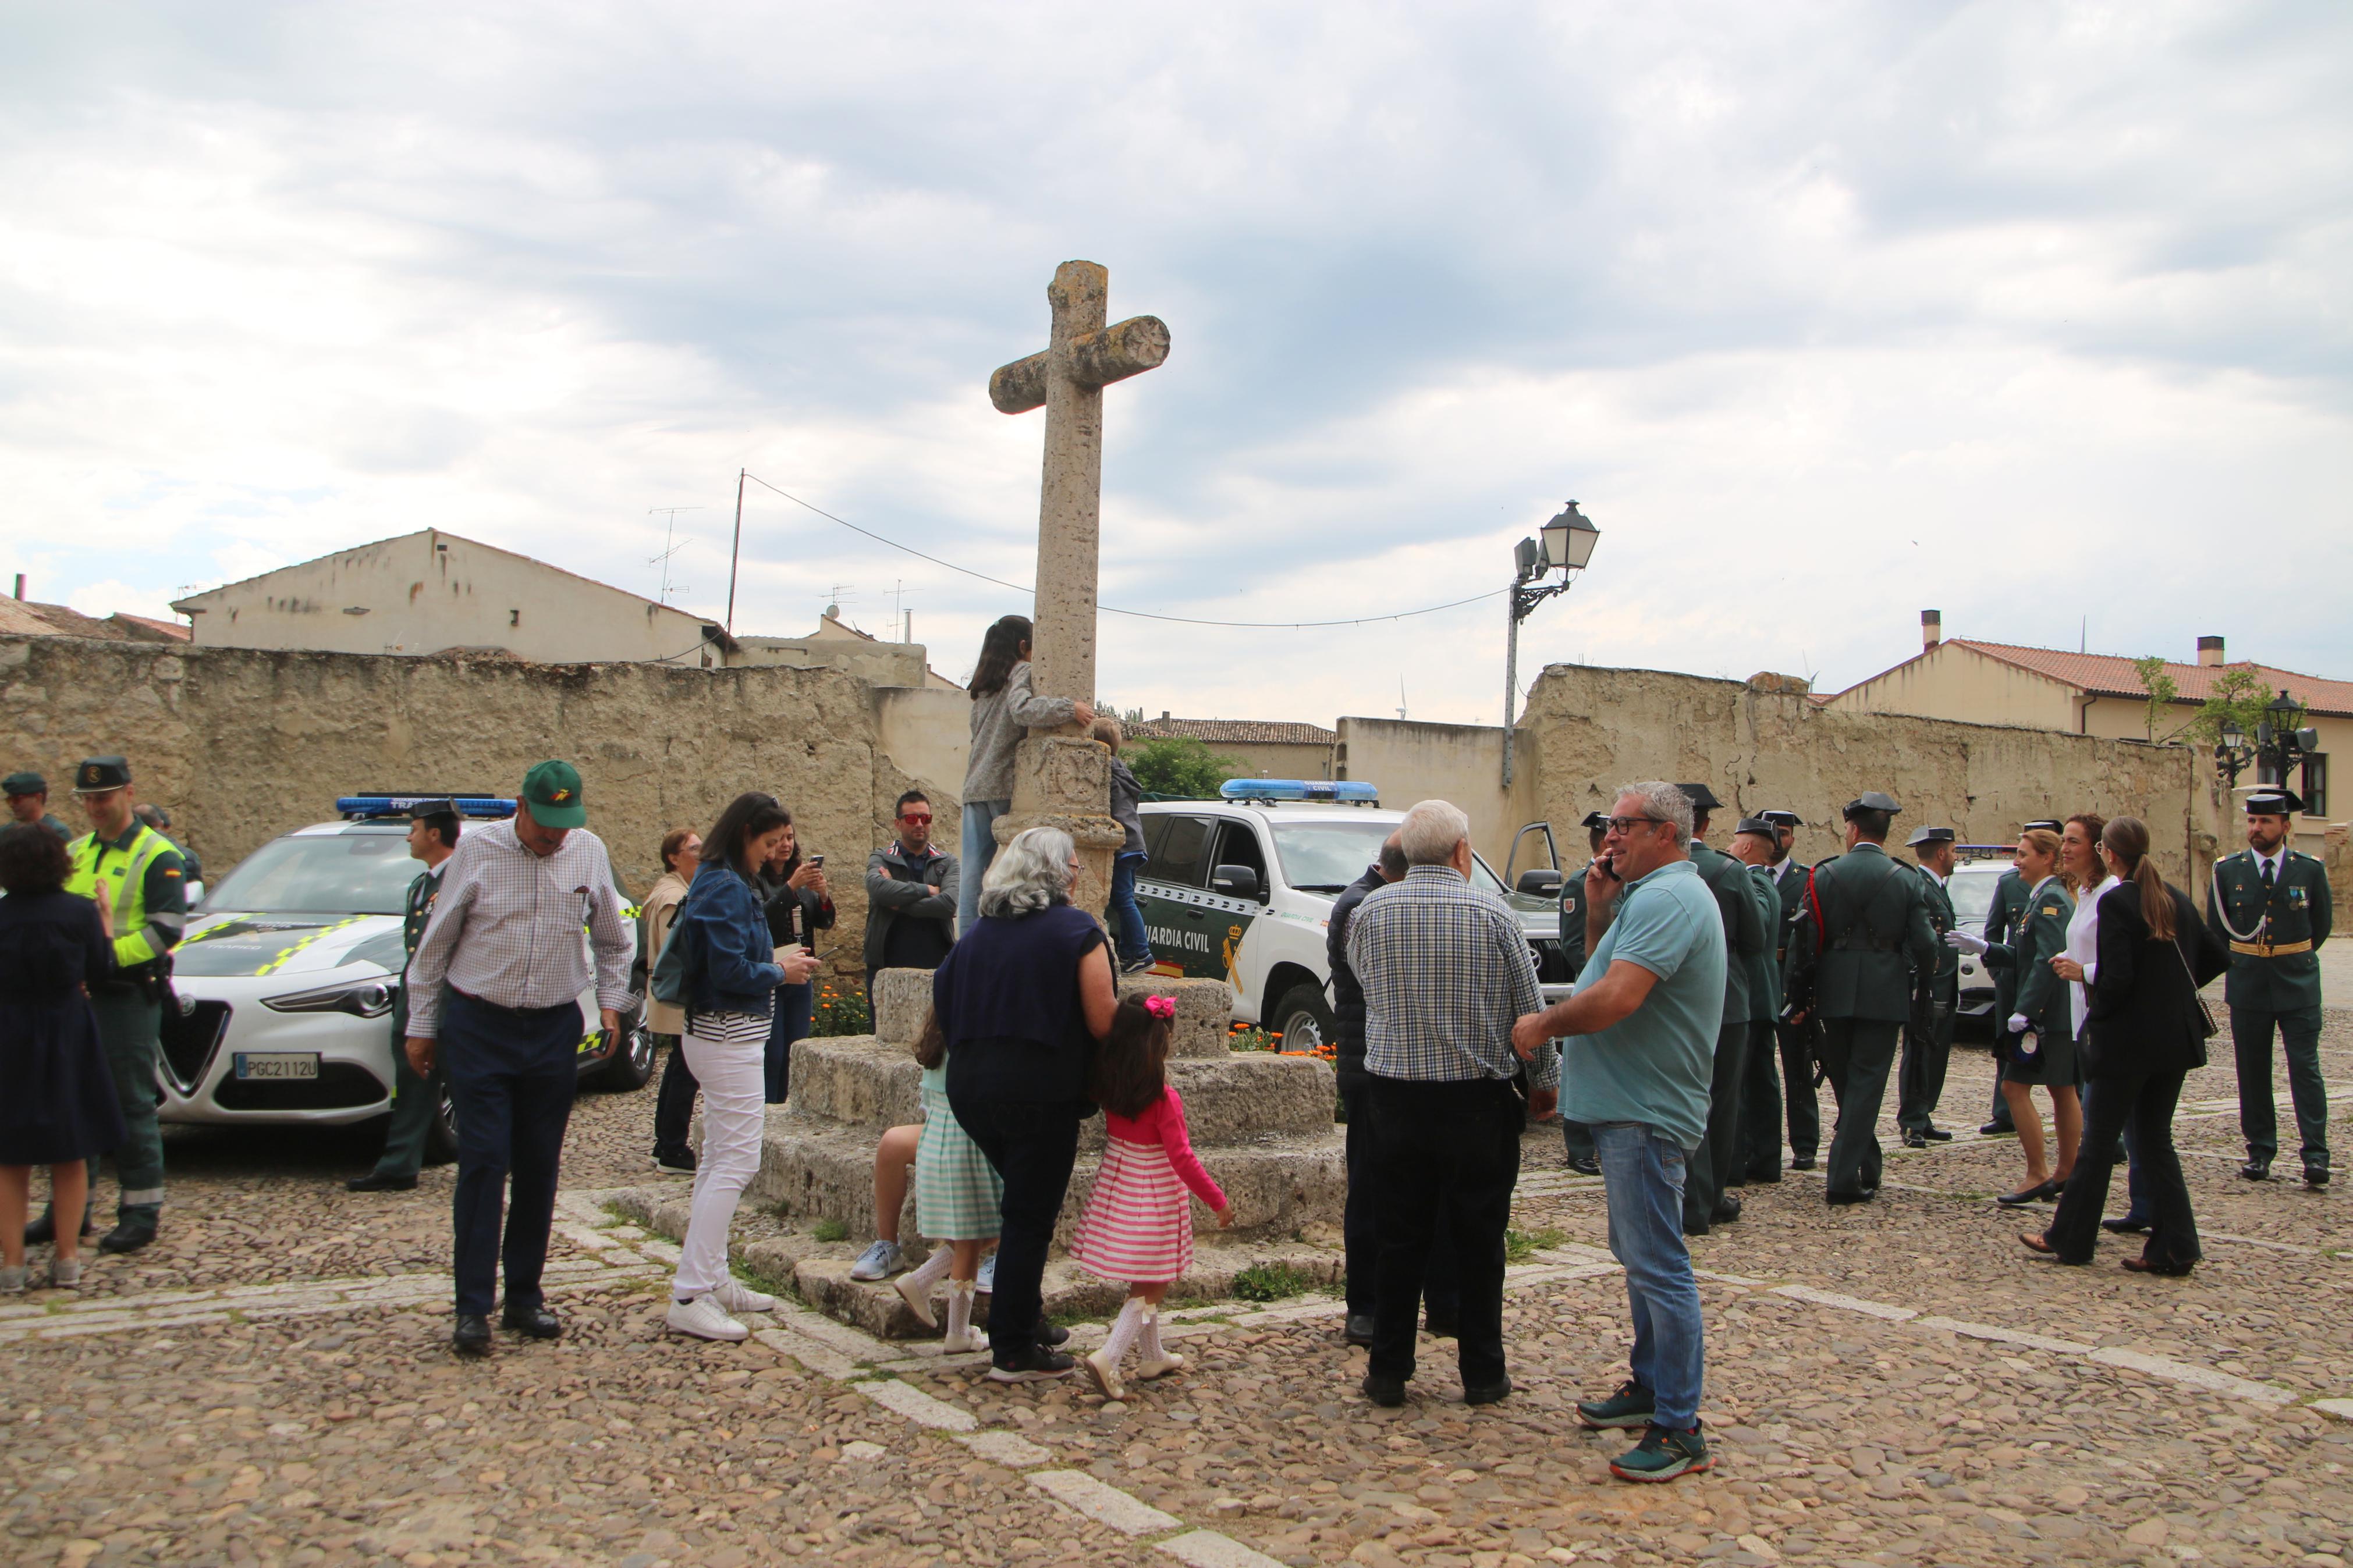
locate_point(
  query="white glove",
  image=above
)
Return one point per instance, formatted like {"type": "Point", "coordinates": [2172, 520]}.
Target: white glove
{"type": "Point", "coordinates": [1964, 942]}
{"type": "Point", "coordinates": [2020, 1023]}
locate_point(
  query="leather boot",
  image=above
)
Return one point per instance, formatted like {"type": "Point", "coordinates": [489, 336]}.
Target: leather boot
{"type": "Point", "coordinates": [135, 1227]}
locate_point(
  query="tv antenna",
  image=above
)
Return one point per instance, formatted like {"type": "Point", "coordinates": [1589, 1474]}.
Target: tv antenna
{"type": "Point", "coordinates": [834, 597]}
{"type": "Point", "coordinates": [1401, 698]}
{"type": "Point", "coordinates": [673, 544]}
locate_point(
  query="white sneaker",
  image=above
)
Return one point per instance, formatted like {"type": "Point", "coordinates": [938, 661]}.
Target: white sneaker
{"type": "Point", "coordinates": [918, 1299]}
{"type": "Point", "coordinates": [738, 1297]}
{"type": "Point", "coordinates": [12, 1281]}
{"type": "Point", "coordinates": [705, 1319]}
{"type": "Point", "coordinates": [878, 1261]}
{"type": "Point", "coordinates": [987, 1283]}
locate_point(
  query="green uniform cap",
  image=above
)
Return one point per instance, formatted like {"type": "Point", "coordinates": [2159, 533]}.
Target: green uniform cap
{"type": "Point", "coordinates": [1596, 822]}
{"type": "Point", "coordinates": [2048, 823]}
{"type": "Point", "coordinates": [1757, 824]}
{"type": "Point", "coordinates": [2273, 803]}
{"type": "Point", "coordinates": [1701, 797]}
{"type": "Point", "coordinates": [1929, 836]}
{"type": "Point", "coordinates": [551, 790]}
{"type": "Point", "coordinates": [1781, 818]}
{"type": "Point", "coordinates": [1870, 800]}
{"type": "Point", "coordinates": [427, 810]}
{"type": "Point", "coordinates": [27, 783]}
{"type": "Point", "coordinates": [101, 775]}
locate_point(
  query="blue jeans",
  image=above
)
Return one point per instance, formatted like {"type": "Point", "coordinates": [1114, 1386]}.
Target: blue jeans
{"type": "Point", "coordinates": [789, 1022]}
{"type": "Point", "coordinates": [1643, 1180]}
{"type": "Point", "coordinates": [1126, 918]}
{"type": "Point", "coordinates": [979, 848]}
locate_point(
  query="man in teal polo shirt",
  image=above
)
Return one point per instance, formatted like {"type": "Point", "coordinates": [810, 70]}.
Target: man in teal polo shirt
{"type": "Point", "coordinates": [1638, 1037]}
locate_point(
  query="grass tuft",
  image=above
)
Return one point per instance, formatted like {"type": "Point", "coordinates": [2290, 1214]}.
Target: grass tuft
{"type": "Point", "coordinates": [1519, 1246]}
{"type": "Point", "coordinates": [1271, 1282]}
{"type": "Point", "coordinates": [830, 1230]}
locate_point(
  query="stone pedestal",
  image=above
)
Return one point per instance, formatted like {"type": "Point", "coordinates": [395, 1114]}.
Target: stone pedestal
{"type": "Point", "coordinates": [1064, 781]}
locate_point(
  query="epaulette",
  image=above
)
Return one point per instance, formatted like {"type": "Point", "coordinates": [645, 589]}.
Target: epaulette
{"type": "Point", "coordinates": [2300, 855]}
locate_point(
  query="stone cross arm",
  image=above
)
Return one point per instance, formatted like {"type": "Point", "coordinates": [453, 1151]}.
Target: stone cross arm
{"type": "Point", "coordinates": [1097, 359]}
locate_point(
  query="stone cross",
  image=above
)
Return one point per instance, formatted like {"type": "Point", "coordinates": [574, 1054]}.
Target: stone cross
{"type": "Point", "coordinates": [1064, 779]}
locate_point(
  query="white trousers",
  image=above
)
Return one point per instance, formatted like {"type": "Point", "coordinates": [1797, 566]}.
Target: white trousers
{"type": "Point", "coordinates": [735, 1112]}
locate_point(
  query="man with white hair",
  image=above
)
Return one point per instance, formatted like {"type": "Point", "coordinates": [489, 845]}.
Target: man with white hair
{"type": "Point", "coordinates": [1638, 1043]}
{"type": "Point", "coordinates": [1446, 970]}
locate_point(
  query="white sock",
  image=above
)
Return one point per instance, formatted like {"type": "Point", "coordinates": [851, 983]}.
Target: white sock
{"type": "Point", "coordinates": [960, 1298]}
{"type": "Point", "coordinates": [926, 1274]}
{"type": "Point", "coordinates": [1147, 1344]}
{"type": "Point", "coordinates": [1123, 1331]}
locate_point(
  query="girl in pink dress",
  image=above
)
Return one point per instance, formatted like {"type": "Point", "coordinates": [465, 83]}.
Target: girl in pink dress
{"type": "Point", "coordinates": [1138, 1224]}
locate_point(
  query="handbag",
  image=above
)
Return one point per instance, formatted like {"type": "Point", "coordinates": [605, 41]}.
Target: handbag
{"type": "Point", "coordinates": [2207, 1027]}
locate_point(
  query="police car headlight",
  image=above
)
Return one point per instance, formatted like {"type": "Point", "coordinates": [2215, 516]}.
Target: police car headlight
{"type": "Point", "coordinates": [361, 999]}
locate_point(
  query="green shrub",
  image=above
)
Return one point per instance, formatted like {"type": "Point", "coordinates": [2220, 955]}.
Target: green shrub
{"type": "Point", "coordinates": [830, 1230]}
{"type": "Point", "coordinates": [839, 1009]}
{"type": "Point", "coordinates": [1271, 1282]}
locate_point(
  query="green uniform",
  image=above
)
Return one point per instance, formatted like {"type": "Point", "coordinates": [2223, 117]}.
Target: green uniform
{"type": "Point", "coordinates": [1928, 1032]}
{"type": "Point", "coordinates": [1760, 1093]}
{"type": "Point", "coordinates": [2275, 932]}
{"type": "Point", "coordinates": [2036, 935]}
{"type": "Point", "coordinates": [1796, 1041]}
{"type": "Point", "coordinates": [2001, 910]}
{"type": "Point", "coordinates": [65, 834]}
{"type": "Point", "coordinates": [147, 881]}
{"type": "Point", "coordinates": [1854, 967]}
{"type": "Point", "coordinates": [1719, 1161]}
{"type": "Point", "coordinates": [413, 1098]}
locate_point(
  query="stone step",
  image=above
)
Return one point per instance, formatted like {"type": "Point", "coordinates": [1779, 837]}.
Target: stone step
{"type": "Point", "coordinates": [1205, 1008]}
{"type": "Point", "coordinates": [1279, 1183]}
{"type": "Point", "coordinates": [820, 1272]}
{"type": "Point", "coordinates": [857, 1081]}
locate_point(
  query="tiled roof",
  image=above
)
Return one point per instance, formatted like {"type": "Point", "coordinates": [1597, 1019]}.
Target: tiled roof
{"type": "Point", "coordinates": [2105, 675]}
{"type": "Point", "coordinates": [1234, 731]}
{"type": "Point", "coordinates": [144, 629]}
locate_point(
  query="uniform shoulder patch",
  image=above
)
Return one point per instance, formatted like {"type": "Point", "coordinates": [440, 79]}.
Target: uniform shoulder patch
{"type": "Point", "coordinates": [2049, 909]}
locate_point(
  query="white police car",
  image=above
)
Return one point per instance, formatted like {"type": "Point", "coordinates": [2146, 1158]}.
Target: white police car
{"type": "Point", "coordinates": [1971, 891]}
{"type": "Point", "coordinates": [1240, 889]}
{"type": "Point", "coordinates": [287, 976]}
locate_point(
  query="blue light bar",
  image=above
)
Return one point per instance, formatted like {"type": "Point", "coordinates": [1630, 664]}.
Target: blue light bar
{"type": "Point", "coordinates": [363, 808]}
{"type": "Point", "coordinates": [1352, 792]}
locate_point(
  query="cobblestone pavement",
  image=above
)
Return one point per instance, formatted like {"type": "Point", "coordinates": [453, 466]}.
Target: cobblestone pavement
{"type": "Point", "coordinates": [1895, 1384]}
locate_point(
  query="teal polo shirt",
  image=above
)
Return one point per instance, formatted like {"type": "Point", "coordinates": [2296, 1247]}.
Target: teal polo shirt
{"type": "Point", "coordinates": [1655, 1066]}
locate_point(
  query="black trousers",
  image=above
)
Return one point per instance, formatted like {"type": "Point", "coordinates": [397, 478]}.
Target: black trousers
{"type": "Point", "coordinates": [1032, 1144]}
{"type": "Point", "coordinates": [1859, 1053]}
{"type": "Point", "coordinates": [511, 1076]}
{"type": "Point", "coordinates": [1441, 1291]}
{"type": "Point", "coordinates": [1760, 1105]}
{"type": "Point", "coordinates": [1450, 1150]}
{"type": "Point", "coordinates": [674, 1101]}
{"type": "Point", "coordinates": [1920, 1079]}
{"type": "Point", "coordinates": [1716, 1162]}
{"type": "Point", "coordinates": [1798, 1082]}
{"type": "Point", "coordinates": [2144, 1105]}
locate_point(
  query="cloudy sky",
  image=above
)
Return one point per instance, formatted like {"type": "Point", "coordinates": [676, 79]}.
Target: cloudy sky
{"type": "Point", "coordinates": [2036, 313]}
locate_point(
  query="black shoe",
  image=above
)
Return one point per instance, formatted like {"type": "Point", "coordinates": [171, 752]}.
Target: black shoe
{"type": "Point", "coordinates": [1913, 1139]}
{"type": "Point", "coordinates": [1388, 1393]}
{"type": "Point", "coordinates": [44, 1230]}
{"type": "Point", "coordinates": [1438, 1325]}
{"type": "Point", "coordinates": [1585, 1164]}
{"type": "Point", "coordinates": [2315, 1176]}
{"type": "Point", "coordinates": [1359, 1329]}
{"type": "Point", "coordinates": [2256, 1170]}
{"type": "Point", "coordinates": [1997, 1129]}
{"type": "Point", "coordinates": [376, 1182]}
{"type": "Point", "coordinates": [1840, 1200]}
{"type": "Point", "coordinates": [133, 1229]}
{"type": "Point", "coordinates": [1487, 1392]}
{"type": "Point", "coordinates": [1050, 1336]}
{"type": "Point", "coordinates": [1801, 1163]}
{"type": "Point", "coordinates": [531, 1322]}
{"type": "Point", "coordinates": [1937, 1135]}
{"type": "Point", "coordinates": [1765, 1177]}
{"type": "Point", "coordinates": [2125, 1225]}
{"type": "Point", "coordinates": [1727, 1209]}
{"type": "Point", "coordinates": [471, 1336]}
{"type": "Point", "coordinates": [1036, 1363]}
{"type": "Point", "coordinates": [2034, 1195]}
{"type": "Point", "coordinates": [1695, 1226]}
{"type": "Point", "coordinates": [674, 1162]}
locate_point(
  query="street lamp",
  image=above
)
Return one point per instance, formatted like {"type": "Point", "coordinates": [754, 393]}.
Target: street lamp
{"type": "Point", "coordinates": [2278, 743]}
{"type": "Point", "coordinates": [1566, 547]}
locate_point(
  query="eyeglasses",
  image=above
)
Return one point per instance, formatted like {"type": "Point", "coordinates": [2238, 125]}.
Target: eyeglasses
{"type": "Point", "coordinates": [1628, 824]}
{"type": "Point", "coordinates": [922, 821]}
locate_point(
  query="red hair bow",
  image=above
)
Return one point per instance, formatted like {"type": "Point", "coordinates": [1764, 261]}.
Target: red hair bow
{"type": "Point", "coordinates": [1160, 1006]}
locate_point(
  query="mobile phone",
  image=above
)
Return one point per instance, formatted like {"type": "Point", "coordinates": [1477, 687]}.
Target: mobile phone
{"type": "Point", "coordinates": [818, 861]}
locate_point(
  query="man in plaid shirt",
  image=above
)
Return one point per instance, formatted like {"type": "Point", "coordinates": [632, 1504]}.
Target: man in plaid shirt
{"type": "Point", "coordinates": [1446, 971]}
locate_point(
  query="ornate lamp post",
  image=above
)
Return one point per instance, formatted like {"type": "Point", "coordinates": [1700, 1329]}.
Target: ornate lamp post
{"type": "Point", "coordinates": [1566, 547]}
{"type": "Point", "coordinates": [2278, 743]}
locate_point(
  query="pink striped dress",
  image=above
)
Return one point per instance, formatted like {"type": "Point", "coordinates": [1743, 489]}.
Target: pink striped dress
{"type": "Point", "coordinates": [1137, 1227]}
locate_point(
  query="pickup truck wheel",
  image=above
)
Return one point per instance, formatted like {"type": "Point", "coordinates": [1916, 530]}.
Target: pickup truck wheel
{"type": "Point", "coordinates": [1304, 1019]}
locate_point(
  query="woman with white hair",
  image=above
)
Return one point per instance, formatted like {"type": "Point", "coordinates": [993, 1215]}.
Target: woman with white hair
{"type": "Point", "coordinates": [1021, 999]}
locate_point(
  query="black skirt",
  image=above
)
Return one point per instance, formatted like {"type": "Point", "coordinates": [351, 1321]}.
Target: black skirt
{"type": "Point", "coordinates": [56, 1098]}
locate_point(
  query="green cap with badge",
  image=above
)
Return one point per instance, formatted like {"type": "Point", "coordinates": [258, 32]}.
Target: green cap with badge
{"type": "Point", "coordinates": [551, 790]}
{"type": "Point", "coordinates": [25, 782]}
{"type": "Point", "coordinates": [101, 775]}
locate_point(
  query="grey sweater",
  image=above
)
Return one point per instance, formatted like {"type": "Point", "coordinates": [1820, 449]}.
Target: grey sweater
{"type": "Point", "coordinates": [999, 720]}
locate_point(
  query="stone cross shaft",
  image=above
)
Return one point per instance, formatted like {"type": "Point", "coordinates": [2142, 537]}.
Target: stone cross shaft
{"type": "Point", "coordinates": [1082, 356]}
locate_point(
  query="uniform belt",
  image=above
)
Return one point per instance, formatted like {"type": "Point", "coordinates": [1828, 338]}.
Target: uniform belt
{"type": "Point", "coordinates": [2271, 948]}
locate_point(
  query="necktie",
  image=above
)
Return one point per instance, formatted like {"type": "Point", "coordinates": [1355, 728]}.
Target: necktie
{"type": "Point", "coordinates": [2267, 880]}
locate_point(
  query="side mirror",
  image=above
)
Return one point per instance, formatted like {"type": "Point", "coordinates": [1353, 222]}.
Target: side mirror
{"type": "Point", "coordinates": [1540, 884]}
{"type": "Point", "coordinates": [1236, 882]}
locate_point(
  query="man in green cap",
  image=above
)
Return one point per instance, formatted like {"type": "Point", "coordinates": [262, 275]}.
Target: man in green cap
{"type": "Point", "coordinates": [146, 884]}
{"type": "Point", "coordinates": [493, 997]}
{"type": "Point", "coordinates": [433, 828]}
{"type": "Point", "coordinates": [2271, 904]}
{"type": "Point", "coordinates": [28, 801]}
{"type": "Point", "coordinates": [1863, 931]}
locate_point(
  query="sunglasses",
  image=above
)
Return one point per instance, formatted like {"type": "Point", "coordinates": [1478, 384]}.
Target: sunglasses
{"type": "Point", "coordinates": [920, 821]}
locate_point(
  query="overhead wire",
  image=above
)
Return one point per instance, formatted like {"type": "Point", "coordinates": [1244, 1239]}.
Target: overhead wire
{"type": "Point", "coordinates": [1114, 610]}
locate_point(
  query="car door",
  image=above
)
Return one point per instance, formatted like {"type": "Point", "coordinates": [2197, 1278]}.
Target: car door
{"type": "Point", "coordinates": [1169, 891]}
{"type": "Point", "coordinates": [1228, 917]}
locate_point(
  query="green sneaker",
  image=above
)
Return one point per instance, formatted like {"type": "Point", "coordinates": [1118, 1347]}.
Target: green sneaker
{"type": "Point", "coordinates": [1663, 1455]}
{"type": "Point", "coordinates": [1629, 1406]}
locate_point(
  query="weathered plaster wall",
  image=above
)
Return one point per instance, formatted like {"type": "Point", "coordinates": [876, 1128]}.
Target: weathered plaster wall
{"type": "Point", "coordinates": [243, 744]}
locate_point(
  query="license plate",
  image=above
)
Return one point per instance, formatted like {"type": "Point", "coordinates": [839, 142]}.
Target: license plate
{"type": "Point", "coordinates": [277, 1064]}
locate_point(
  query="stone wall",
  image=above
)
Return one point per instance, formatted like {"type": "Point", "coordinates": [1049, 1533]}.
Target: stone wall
{"type": "Point", "coordinates": [243, 744]}
{"type": "Point", "coordinates": [1761, 744]}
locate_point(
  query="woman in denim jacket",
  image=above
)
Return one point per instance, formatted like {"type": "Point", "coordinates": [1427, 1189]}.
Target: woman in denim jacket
{"type": "Point", "coordinates": [732, 976]}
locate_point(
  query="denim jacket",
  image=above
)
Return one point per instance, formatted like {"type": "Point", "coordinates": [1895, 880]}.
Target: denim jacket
{"type": "Point", "coordinates": [729, 969]}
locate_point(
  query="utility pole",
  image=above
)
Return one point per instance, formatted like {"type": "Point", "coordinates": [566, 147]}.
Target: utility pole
{"type": "Point", "coordinates": [734, 552]}
{"type": "Point", "coordinates": [1567, 546]}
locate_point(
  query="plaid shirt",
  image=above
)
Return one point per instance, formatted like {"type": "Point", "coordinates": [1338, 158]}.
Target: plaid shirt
{"type": "Point", "coordinates": [1447, 971]}
{"type": "Point", "coordinates": [507, 928]}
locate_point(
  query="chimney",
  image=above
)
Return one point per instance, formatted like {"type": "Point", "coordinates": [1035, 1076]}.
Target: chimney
{"type": "Point", "coordinates": [20, 585]}
{"type": "Point", "coordinates": [1932, 628]}
{"type": "Point", "coordinates": [2209, 650]}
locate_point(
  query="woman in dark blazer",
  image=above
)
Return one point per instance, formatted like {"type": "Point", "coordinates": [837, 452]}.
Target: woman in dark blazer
{"type": "Point", "coordinates": [2146, 1031]}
